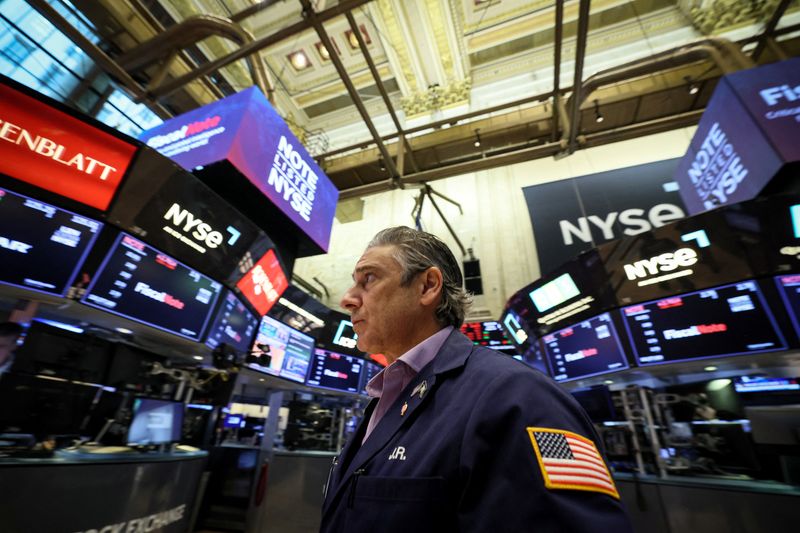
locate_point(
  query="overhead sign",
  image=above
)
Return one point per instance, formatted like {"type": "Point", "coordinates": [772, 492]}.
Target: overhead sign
{"type": "Point", "coordinates": [50, 149]}
{"type": "Point", "coordinates": [168, 207]}
{"type": "Point", "coordinates": [575, 215]}
{"type": "Point", "coordinates": [265, 283]}
{"type": "Point", "coordinates": [694, 253]}
{"type": "Point", "coordinates": [245, 130]}
{"type": "Point", "coordinates": [749, 130]}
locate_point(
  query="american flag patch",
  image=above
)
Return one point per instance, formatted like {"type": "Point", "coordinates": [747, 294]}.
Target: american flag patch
{"type": "Point", "coordinates": [569, 461]}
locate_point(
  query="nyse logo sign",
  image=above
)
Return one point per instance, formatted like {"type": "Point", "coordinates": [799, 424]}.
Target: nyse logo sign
{"type": "Point", "coordinates": [198, 234]}
{"type": "Point", "coordinates": [667, 262]}
{"type": "Point", "coordinates": [634, 221]}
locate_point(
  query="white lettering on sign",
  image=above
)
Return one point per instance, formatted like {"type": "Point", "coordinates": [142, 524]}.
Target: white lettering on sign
{"type": "Point", "coordinates": [694, 331]}
{"type": "Point", "coordinates": [145, 290]}
{"type": "Point", "coordinates": [262, 284]}
{"type": "Point", "coordinates": [717, 169]}
{"type": "Point", "coordinates": [52, 150]}
{"type": "Point", "coordinates": [153, 522]}
{"type": "Point", "coordinates": [183, 132]}
{"type": "Point", "coordinates": [293, 179]}
{"type": "Point", "coordinates": [773, 95]}
{"type": "Point", "coordinates": [203, 232]}
{"type": "Point", "coordinates": [667, 262]}
{"type": "Point", "coordinates": [15, 246]}
{"type": "Point", "coordinates": [633, 220]}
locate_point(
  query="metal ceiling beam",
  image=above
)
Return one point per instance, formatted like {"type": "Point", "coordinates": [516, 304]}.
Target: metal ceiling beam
{"type": "Point", "coordinates": [95, 53]}
{"type": "Point", "coordinates": [189, 32]}
{"type": "Point", "coordinates": [381, 89]}
{"type": "Point", "coordinates": [580, 55]}
{"type": "Point", "coordinates": [308, 13]}
{"type": "Point", "coordinates": [770, 28]}
{"type": "Point", "coordinates": [259, 44]}
{"type": "Point", "coordinates": [557, 66]}
{"type": "Point", "coordinates": [158, 27]}
{"type": "Point", "coordinates": [253, 10]}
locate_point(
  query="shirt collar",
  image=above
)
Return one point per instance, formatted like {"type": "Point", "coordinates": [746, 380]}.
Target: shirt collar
{"type": "Point", "coordinates": [414, 359]}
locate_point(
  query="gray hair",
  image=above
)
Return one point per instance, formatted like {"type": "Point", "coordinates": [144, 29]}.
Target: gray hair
{"type": "Point", "coordinates": [416, 251]}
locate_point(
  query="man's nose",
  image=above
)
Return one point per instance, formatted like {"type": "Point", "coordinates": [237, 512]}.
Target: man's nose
{"type": "Point", "coordinates": [349, 299]}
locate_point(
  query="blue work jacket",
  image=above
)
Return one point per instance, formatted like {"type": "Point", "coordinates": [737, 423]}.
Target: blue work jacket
{"type": "Point", "coordinates": [455, 454]}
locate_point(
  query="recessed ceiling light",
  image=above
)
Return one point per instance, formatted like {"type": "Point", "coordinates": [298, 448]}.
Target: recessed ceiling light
{"type": "Point", "coordinates": [124, 331]}
{"type": "Point", "coordinates": [609, 382]}
{"type": "Point", "coordinates": [198, 357]}
{"type": "Point", "coordinates": [299, 60]}
{"type": "Point", "coordinates": [710, 368]}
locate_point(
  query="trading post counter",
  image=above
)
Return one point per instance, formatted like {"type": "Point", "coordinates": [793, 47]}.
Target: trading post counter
{"type": "Point", "coordinates": [708, 504]}
{"type": "Point", "coordinates": [78, 491]}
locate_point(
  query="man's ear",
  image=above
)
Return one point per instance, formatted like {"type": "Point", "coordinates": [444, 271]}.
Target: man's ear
{"type": "Point", "coordinates": [432, 285]}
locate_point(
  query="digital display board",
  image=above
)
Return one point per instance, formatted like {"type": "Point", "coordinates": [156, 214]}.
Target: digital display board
{"type": "Point", "coordinates": [689, 254]}
{"type": "Point", "coordinates": [245, 130]}
{"type": "Point", "coordinates": [336, 371]}
{"type": "Point", "coordinates": [514, 330]}
{"type": "Point", "coordinates": [51, 149]}
{"type": "Point", "coordinates": [764, 384]}
{"type": "Point", "coordinates": [370, 371]}
{"type": "Point", "coordinates": [588, 348]}
{"type": "Point", "coordinates": [234, 325]}
{"type": "Point", "coordinates": [576, 290]}
{"type": "Point", "coordinates": [290, 351]}
{"type": "Point", "coordinates": [141, 283]}
{"type": "Point", "coordinates": [155, 422]}
{"type": "Point", "coordinates": [264, 283]}
{"type": "Point", "coordinates": [789, 287]}
{"type": "Point", "coordinates": [41, 246]}
{"type": "Point", "coordinates": [727, 320]}
{"type": "Point", "coordinates": [489, 334]}
{"type": "Point", "coordinates": [172, 210]}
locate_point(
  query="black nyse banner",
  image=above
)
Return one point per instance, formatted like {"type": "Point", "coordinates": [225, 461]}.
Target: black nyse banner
{"type": "Point", "coordinates": [574, 215]}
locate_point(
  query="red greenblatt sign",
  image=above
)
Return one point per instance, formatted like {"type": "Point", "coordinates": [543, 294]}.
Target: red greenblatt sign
{"type": "Point", "coordinates": [749, 131]}
{"type": "Point", "coordinates": [246, 132]}
{"type": "Point", "coordinates": [264, 283]}
{"type": "Point", "coordinates": [50, 149]}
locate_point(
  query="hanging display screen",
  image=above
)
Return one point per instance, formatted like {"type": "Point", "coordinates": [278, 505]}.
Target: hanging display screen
{"type": "Point", "coordinates": [489, 334]}
{"type": "Point", "coordinates": [139, 282]}
{"type": "Point", "coordinates": [727, 320]}
{"type": "Point", "coordinates": [336, 371]}
{"type": "Point", "coordinates": [370, 371]}
{"type": "Point", "coordinates": [234, 325]}
{"type": "Point", "coordinates": [41, 246]}
{"type": "Point", "coordinates": [289, 350]}
{"type": "Point", "coordinates": [586, 349]}
{"type": "Point", "coordinates": [789, 287]}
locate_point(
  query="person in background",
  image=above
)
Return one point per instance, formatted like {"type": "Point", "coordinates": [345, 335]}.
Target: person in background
{"type": "Point", "coordinates": [9, 334]}
{"type": "Point", "coordinates": [457, 438]}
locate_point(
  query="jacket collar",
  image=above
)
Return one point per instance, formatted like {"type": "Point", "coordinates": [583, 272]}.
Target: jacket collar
{"type": "Point", "coordinates": [452, 355]}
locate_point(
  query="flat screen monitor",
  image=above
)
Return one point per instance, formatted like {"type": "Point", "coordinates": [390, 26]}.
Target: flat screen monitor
{"type": "Point", "coordinates": [747, 384]}
{"type": "Point", "coordinates": [489, 334]}
{"type": "Point", "coordinates": [370, 371]}
{"type": "Point", "coordinates": [720, 321]}
{"type": "Point", "coordinates": [289, 350]}
{"type": "Point", "coordinates": [155, 422]}
{"type": "Point", "coordinates": [41, 246]}
{"type": "Point", "coordinates": [515, 331]}
{"type": "Point", "coordinates": [233, 421]}
{"type": "Point", "coordinates": [139, 282]}
{"type": "Point", "coordinates": [335, 371]}
{"type": "Point", "coordinates": [338, 334]}
{"type": "Point", "coordinates": [588, 348]}
{"type": "Point", "coordinates": [789, 287]}
{"type": "Point", "coordinates": [234, 325]}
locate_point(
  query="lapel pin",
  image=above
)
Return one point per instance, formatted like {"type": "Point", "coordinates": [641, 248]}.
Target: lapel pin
{"type": "Point", "coordinates": [423, 388]}
{"type": "Point", "coordinates": [403, 409]}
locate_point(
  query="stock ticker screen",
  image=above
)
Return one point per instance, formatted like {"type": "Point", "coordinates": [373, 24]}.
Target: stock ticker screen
{"type": "Point", "coordinates": [337, 371]}
{"type": "Point", "coordinates": [588, 348]}
{"type": "Point", "coordinates": [727, 320]}
{"type": "Point", "coordinates": [489, 334]}
{"type": "Point", "coordinates": [289, 350]}
{"type": "Point", "coordinates": [234, 325]}
{"type": "Point", "coordinates": [139, 282]}
{"type": "Point", "coordinates": [789, 287]}
{"type": "Point", "coordinates": [41, 246]}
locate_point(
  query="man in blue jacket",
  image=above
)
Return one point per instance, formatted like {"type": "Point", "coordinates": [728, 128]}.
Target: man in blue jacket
{"type": "Point", "coordinates": [457, 437]}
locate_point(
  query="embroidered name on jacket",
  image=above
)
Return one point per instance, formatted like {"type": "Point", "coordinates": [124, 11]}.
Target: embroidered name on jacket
{"type": "Point", "coordinates": [570, 461]}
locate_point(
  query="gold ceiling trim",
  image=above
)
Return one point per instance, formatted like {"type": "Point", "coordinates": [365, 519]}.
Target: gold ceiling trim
{"type": "Point", "coordinates": [503, 16]}
{"type": "Point", "coordinates": [336, 87]}
{"type": "Point", "coordinates": [439, 23]}
{"type": "Point", "coordinates": [394, 36]}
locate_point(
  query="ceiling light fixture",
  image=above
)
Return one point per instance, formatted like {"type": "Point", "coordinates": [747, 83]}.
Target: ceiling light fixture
{"type": "Point", "coordinates": [477, 142]}
{"type": "Point", "coordinates": [299, 60]}
{"type": "Point", "coordinates": [710, 368]}
{"type": "Point", "coordinates": [691, 86]}
{"type": "Point", "coordinates": [598, 117]}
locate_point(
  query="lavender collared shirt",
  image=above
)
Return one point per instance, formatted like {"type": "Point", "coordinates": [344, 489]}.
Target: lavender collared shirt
{"type": "Point", "coordinates": [390, 382]}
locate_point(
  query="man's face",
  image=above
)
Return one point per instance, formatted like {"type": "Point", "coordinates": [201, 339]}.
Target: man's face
{"type": "Point", "coordinates": [383, 312]}
{"type": "Point", "coordinates": [7, 345]}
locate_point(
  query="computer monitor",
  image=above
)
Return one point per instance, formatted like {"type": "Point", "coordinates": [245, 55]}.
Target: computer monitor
{"type": "Point", "coordinates": [489, 334]}
{"type": "Point", "coordinates": [234, 325]}
{"type": "Point", "coordinates": [155, 422]}
{"type": "Point", "coordinates": [335, 371]}
{"type": "Point", "coordinates": [289, 350]}
{"type": "Point", "coordinates": [585, 349]}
